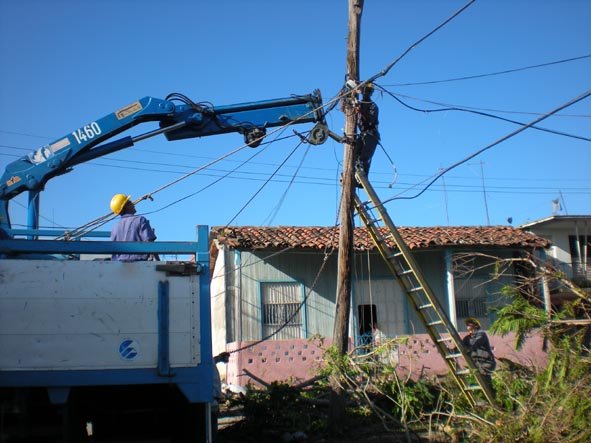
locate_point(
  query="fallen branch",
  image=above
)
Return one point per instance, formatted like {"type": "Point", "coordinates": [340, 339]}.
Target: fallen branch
{"type": "Point", "coordinates": [257, 379]}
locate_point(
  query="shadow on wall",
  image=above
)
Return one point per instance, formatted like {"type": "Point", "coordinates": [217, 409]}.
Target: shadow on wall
{"type": "Point", "coordinates": [299, 360]}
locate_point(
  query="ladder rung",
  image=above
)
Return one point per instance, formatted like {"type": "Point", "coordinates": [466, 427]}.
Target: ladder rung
{"type": "Point", "coordinates": [396, 254]}
{"type": "Point", "coordinates": [417, 289]}
{"type": "Point", "coordinates": [440, 340]}
{"type": "Point", "coordinates": [450, 356]}
{"type": "Point", "coordinates": [406, 272]}
{"type": "Point", "coordinates": [435, 323]}
{"type": "Point", "coordinates": [474, 387]}
{"type": "Point", "coordinates": [463, 372]}
{"type": "Point", "coordinates": [427, 306]}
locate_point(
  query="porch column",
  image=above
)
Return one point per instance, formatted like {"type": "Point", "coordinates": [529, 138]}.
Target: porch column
{"type": "Point", "coordinates": [545, 287]}
{"type": "Point", "coordinates": [451, 293]}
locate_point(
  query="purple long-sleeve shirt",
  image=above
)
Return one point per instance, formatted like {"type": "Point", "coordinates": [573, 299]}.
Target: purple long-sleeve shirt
{"type": "Point", "coordinates": [132, 228]}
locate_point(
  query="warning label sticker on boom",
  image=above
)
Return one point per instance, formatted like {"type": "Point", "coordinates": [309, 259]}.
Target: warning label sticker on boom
{"type": "Point", "coordinates": [128, 110]}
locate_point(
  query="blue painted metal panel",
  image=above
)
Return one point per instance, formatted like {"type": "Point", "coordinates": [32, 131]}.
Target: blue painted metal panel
{"type": "Point", "coordinates": [163, 329]}
{"type": "Point", "coordinates": [204, 378]}
{"type": "Point", "coordinates": [33, 212]}
{"type": "Point", "coordinates": [95, 247]}
{"type": "Point", "coordinates": [266, 113]}
{"type": "Point", "coordinates": [53, 233]}
{"type": "Point", "coordinates": [201, 377]}
{"type": "Point", "coordinates": [195, 382]}
{"type": "Point", "coordinates": [260, 320]}
{"type": "Point", "coordinates": [304, 311]}
{"type": "Point", "coordinates": [32, 171]}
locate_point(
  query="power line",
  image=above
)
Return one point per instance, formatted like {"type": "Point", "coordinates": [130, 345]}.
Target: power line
{"type": "Point", "coordinates": [105, 218]}
{"type": "Point", "coordinates": [264, 184]}
{"type": "Point", "coordinates": [327, 254]}
{"type": "Point", "coordinates": [40, 216]}
{"type": "Point", "coordinates": [207, 186]}
{"type": "Point", "coordinates": [330, 170]}
{"type": "Point", "coordinates": [507, 71]}
{"type": "Point", "coordinates": [485, 114]}
{"type": "Point", "coordinates": [502, 139]}
{"type": "Point", "coordinates": [419, 41]}
{"type": "Point", "coordinates": [323, 181]}
{"type": "Point", "coordinates": [277, 207]}
{"type": "Point", "coordinates": [502, 111]}
{"type": "Point", "coordinates": [25, 134]}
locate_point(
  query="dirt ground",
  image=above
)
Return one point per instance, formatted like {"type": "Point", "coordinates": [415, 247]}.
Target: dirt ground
{"type": "Point", "coordinates": [235, 428]}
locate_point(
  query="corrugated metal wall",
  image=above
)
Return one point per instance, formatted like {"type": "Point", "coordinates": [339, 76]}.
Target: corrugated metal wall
{"type": "Point", "coordinates": [300, 267]}
{"type": "Point", "coordinates": [370, 278]}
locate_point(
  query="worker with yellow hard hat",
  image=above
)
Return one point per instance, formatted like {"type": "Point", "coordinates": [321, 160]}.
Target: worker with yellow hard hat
{"type": "Point", "coordinates": [131, 227]}
{"type": "Point", "coordinates": [118, 202]}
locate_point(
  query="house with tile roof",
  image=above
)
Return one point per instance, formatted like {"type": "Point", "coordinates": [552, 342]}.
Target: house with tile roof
{"type": "Point", "coordinates": [570, 250]}
{"type": "Point", "coordinates": [273, 288]}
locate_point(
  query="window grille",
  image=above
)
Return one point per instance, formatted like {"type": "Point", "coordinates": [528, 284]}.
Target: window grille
{"type": "Point", "coordinates": [472, 297]}
{"type": "Point", "coordinates": [471, 308]}
{"type": "Point", "coordinates": [282, 312]}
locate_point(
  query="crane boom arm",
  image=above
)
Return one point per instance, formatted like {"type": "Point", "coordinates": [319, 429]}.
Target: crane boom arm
{"type": "Point", "coordinates": [177, 121]}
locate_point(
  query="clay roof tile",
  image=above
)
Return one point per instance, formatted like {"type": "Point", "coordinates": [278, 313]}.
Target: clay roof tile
{"type": "Point", "coordinates": [319, 237]}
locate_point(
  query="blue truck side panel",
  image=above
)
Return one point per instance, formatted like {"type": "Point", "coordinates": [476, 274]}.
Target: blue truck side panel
{"type": "Point", "coordinates": [194, 379]}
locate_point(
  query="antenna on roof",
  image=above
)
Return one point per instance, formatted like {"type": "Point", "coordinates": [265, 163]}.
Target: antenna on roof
{"type": "Point", "coordinates": [556, 206]}
{"type": "Point", "coordinates": [563, 205]}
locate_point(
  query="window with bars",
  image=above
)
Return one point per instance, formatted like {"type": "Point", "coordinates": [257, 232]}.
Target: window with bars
{"type": "Point", "coordinates": [282, 310]}
{"type": "Point", "coordinates": [472, 298]}
{"type": "Point", "coordinates": [471, 308]}
{"type": "Point", "coordinates": [276, 314]}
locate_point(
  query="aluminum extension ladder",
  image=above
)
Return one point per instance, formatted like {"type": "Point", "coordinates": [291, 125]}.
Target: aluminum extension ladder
{"type": "Point", "coordinates": [403, 266]}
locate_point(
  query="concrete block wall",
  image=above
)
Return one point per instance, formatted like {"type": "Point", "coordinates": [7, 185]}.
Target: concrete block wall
{"type": "Point", "coordinates": [299, 360]}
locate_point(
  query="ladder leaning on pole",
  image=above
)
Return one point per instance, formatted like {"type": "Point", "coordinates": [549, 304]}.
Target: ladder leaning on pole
{"type": "Point", "coordinates": [403, 266]}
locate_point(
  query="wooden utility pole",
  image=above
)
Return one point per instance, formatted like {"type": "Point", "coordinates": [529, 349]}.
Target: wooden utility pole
{"type": "Point", "coordinates": [336, 417]}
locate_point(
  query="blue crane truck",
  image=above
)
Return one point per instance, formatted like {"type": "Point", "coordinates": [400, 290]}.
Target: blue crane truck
{"type": "Point", "coordinates": [95, 349]}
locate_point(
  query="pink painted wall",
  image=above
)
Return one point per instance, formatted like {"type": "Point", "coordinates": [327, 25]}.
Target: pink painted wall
{"type": "Point", "coordinates": [420, 355]}
{"type": "Point", "coordinates": [274, 360]}
{"type": "Point", "coordinates": [299, 360]}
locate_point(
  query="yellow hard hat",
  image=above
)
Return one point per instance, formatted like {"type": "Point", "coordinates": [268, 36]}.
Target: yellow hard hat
{"type": "Point", "coordinates": [118, 202]}
{"type": "Point", "coordinates": [472, 321]}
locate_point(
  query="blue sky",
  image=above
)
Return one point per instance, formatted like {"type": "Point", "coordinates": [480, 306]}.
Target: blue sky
{"type": "Point", "coordinates": [66, 63]}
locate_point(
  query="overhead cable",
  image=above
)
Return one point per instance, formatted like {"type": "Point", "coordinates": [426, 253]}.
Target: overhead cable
{"type": "Point", "coordinates": [502, 139]}
{"type": "Point", "coordinates": [485, 114]}
{"type": "Point", "coordinates": [277, 207]}
{"type": "Point", "coordinates": [327, 254]}
{"type": "Point", "coordinates": [507, 71]}
{"type": "Point", "coordinates": [105, 218]}
{"type": "Point", "coordinates": [502, 111]}
{"type": "Point", "coordinates": [322, 181]}
{"type": "Point", "coordinates": [418, 42]}
{"type": "Point", "coordinates": [329, 249]}
{"type": "Point", "coordinates": [209, 185]}
{"type": "Point", "coordinates": [264, 184]}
